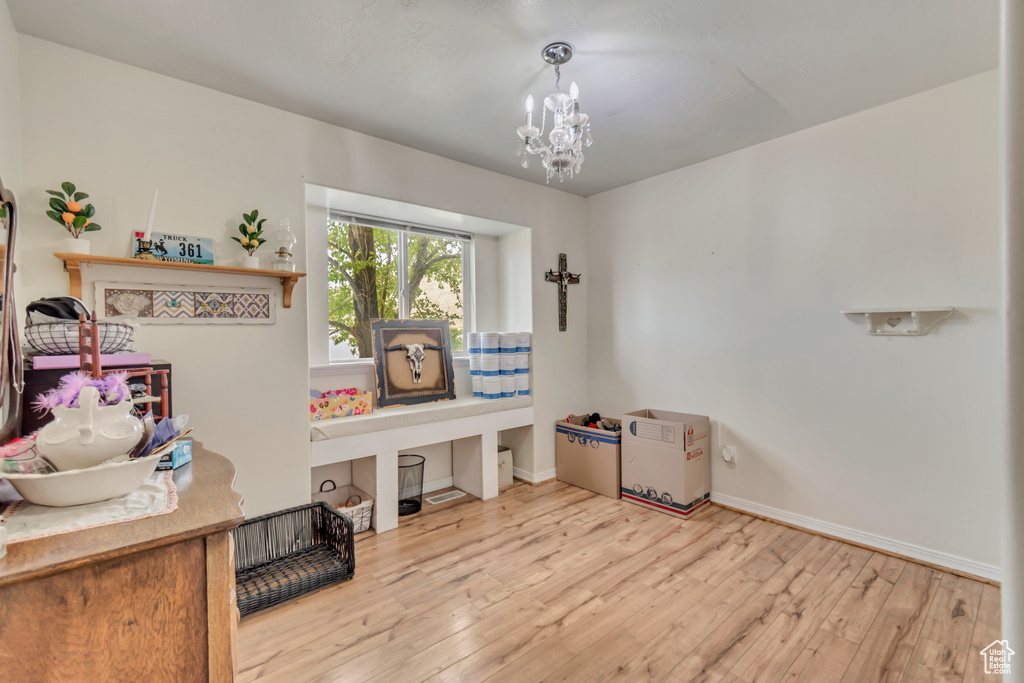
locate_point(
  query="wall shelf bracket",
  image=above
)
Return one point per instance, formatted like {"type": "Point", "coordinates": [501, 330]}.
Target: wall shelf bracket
{"type": "Point", "coordinates": [900, 322]}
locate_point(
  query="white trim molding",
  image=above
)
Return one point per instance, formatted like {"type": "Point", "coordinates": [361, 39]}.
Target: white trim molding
{"type": "Point", "coordinates": [884, 543]}
{"type": "Point", "coordinates": [437, 485]}
{"type": "Point", "coordinates": [533, 478]}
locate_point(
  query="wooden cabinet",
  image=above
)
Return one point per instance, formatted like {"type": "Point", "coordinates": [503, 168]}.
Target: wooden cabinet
{"type": "Point", "coordinates": [148, 600]}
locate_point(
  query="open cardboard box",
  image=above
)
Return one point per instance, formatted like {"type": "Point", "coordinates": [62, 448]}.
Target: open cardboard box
{"type": "Point", "coordinates": [588, 458]}
{"type": "Point", "coordinates": [666, 461]}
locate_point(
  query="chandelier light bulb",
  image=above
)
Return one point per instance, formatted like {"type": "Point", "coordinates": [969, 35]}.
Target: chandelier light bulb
{"type": "Point", "coordinates": [574, 92]}
{"type": "Point", "coordinates": [529, 104]}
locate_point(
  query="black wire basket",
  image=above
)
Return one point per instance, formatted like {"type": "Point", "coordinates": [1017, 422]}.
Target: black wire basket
{"type": "Point", "coordinates": [286, 554]}
{"type": "Point", "coordinates": [55, 339]}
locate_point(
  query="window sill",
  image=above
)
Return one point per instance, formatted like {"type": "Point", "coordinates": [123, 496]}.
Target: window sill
{"type": "Point", "coordinates": [342, 368]}
{"type": "Point", "coordinates": [351, 367]}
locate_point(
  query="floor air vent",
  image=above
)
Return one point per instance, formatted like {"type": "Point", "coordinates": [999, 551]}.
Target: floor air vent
{"type": "Point", "coordinates": [451, 495]}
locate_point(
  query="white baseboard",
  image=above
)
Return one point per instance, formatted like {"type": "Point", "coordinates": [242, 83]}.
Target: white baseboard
{"type": "Point", "coordinates": [916, 552]}
{"type": "Point", "coordinates": [437, 484]}
{"type": "Point", "coordinates": [531, 477]}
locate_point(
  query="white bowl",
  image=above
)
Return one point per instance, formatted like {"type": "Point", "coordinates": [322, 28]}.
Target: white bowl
{"type": "Point", "coordinates": [89, 485]}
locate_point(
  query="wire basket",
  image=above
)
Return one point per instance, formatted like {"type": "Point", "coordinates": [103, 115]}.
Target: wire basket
{"type": "Point", "coordinates": [56, 339]}
{"type": "Point", "coordinates": [286, 554]}
{"type": "Point", "coordinates": [349, 501]}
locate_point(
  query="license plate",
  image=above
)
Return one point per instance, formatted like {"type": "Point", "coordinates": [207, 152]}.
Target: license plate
{"type": "Point", "coordinates": [178, 248]}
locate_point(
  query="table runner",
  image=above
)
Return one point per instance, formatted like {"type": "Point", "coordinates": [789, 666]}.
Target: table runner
{"type": "Point", "coordinates": [157, 496]}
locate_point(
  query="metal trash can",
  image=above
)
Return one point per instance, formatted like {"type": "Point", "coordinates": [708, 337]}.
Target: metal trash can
{"type": "Point", "coordinates": [410, 484]}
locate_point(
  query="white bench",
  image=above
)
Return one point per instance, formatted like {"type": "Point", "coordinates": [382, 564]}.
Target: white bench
{"type": "Point", "coordinates": [471, 424]}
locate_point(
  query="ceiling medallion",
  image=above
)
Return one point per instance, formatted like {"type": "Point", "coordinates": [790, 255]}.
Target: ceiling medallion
{"type": "Point", "coordinates": [570, 128]}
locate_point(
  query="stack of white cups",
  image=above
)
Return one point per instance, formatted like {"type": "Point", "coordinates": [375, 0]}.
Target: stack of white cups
{"type": "Point", "coordinates": [489, 371]}
{"type": "Point", "coordinates": [523, 364]}
{"type": "Point", "coordinates": [507, 364]}
{"type": "Point", "coordinates": [507, 355]}
{"type": "Point", "coordinates": [475, 375]}
{"type": "Point", "coordinates": [499, 364]}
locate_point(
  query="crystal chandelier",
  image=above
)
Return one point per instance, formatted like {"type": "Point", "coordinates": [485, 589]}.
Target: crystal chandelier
{"type": "Point", "coordinates": [570, 128]}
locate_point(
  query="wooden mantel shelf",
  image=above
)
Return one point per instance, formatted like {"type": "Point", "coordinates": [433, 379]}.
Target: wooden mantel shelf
{"type": "Point", "coordinates": [73, 265]}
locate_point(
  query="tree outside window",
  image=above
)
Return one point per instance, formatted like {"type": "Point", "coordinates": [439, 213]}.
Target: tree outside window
{"type": "Point", "coordinates": [366, 280]}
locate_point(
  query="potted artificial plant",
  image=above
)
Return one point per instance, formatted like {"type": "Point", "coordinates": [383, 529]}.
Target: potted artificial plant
{"type": "Point", "coordinates": [251, 238]}
{"type": "Point", "coordinates": [66, 208]}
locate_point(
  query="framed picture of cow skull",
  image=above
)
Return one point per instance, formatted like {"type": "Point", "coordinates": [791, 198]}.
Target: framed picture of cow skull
{"type": "Point", "coordinates": [412, 362]}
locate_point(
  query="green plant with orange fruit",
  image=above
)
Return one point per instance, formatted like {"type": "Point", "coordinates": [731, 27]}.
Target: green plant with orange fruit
{"type": "Point", "coordinates": [66, 209]}
{"type": "Point", "coordinates": [251, 231]}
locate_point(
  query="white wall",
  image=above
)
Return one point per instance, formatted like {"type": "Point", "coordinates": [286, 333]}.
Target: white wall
{"type": "Point", "coordinates": [485, 282]}
{"type": "Point", "coordinates": [513, 272]}
{"type": "Point", "coordinates": [214, 156]}
{"type": "Point", "coordinates": [10, 102]}
{"type": "Point", "coordinates": [716, 289]}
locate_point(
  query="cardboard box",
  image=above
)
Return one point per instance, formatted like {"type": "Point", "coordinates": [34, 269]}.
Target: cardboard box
{"type": "Point", "coordinates": [181, 454]}
{"type": "Point", "coordinates": [588, 458]}
{"type": "Point", "coordinates": [504, 466]}
{"type": "Point", "coordinates": [666, 461]}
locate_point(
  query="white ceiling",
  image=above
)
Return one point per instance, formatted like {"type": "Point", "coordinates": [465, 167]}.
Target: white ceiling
{"type": "Point", "coordinates": [666, 83]}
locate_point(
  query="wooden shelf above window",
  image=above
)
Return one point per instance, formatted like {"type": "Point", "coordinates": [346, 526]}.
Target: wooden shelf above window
{"type": "Point", "coordinates": [73, 265]}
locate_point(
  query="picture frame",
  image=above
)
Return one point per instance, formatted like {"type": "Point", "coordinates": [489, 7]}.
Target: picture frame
{"type": "Point", "coordinates": [412, 362]}
{"type": "Point", "coordinates": [153, 304]}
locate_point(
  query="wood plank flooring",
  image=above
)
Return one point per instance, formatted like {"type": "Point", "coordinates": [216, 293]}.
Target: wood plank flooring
{"type": "Point", "coordinates": [554, 583]}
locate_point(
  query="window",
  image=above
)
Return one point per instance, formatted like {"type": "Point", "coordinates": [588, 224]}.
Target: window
{"type": "Point", "coordinates": [379, 269]}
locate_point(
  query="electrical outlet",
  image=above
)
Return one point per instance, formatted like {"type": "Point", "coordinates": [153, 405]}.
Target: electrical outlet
{"type": "Point", "coordinates": [729, 454]}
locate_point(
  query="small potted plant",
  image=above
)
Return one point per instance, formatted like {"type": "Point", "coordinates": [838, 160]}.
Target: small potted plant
{"type": "Point", "coordinates": [66, 208]}
{"type": "Point", "coordinates": [251, 238]}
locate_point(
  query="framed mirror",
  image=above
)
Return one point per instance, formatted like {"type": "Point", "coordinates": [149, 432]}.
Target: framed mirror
{"type": "Point", "coordinates": [12, 382]}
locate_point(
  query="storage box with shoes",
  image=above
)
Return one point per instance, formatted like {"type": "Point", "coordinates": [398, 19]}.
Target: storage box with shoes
{"type": "Point", "coordinates": [588, 457]}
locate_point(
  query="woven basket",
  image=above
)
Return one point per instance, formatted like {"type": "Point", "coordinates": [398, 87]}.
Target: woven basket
{"type": "Point", "coordinates": [286, 554]}
{"type": "Point", "coordinates": [336, 497]}
{"type": "Point", "coordinates": [57, 339]}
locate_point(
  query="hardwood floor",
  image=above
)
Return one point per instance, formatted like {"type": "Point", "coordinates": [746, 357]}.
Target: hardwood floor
{"type": "Point", "coordinates": [554, 583]}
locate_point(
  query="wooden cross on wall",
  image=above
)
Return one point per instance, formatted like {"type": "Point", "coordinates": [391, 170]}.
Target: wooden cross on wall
{"type": "Point", "coordinates": [564, 278]}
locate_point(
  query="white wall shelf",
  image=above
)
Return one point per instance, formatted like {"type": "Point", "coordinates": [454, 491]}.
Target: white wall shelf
{"type": "Point", "coordinates": [373, 441]}
{"type": "Point", "coordinates": [900, 322]}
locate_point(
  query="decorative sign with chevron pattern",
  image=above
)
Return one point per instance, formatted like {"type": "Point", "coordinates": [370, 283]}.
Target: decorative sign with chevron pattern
{"type": "Point", "coordinates": [186, 304]}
